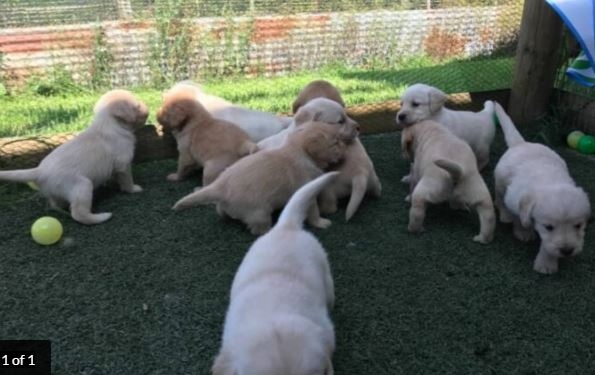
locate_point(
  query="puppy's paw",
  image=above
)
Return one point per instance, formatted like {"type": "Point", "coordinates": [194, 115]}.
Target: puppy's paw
{"type": "Point", "coordinates": [406, 179]}
{"type": "Point", "coordinates": [545, 266]}
{"type": "Point", "coordinates": [136, 189]}
{"type": "Point", "coordinates": [525, 235]}
{"type": "Point", "coordinates": [408, 198]}
{"type": "Point", "coordinates": [321, 223]}
{"type": "Point", "coordinates": [482, 239]}
{"type": "Point", "coordinates": [416, 229]}
{"type": "Point", "coordinates": [173, 177]}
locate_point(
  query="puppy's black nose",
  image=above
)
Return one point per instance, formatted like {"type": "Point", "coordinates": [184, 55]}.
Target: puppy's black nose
{"type": "Point", "coordinates": [402, 117]}
{"type": "Point", "coordinates": [566, 251]}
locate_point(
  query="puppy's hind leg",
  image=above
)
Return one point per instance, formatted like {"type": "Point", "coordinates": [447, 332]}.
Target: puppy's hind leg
{"type": "Point", "coordinates": [259, 222]}
{"type": "Point", "coordinates": [505, 214]}
{"type": "Point", "coordinates": [81, 200]}
{"type": "Point", "coordinates": [487, 221]}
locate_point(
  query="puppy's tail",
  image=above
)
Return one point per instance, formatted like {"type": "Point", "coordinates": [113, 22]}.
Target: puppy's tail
{"type": "Point", "coordinates": [358, 190]}
{"type": "Point", "coordinates": [19, 175]}
{"type": "Point", "coordinates": [511, 134]}
{"type": "Point", "coordinates": [205, 195]}
{"type": "Point", "coordinates": [296, 210]}
{"type": "Point", "coordinates": [451, 167]}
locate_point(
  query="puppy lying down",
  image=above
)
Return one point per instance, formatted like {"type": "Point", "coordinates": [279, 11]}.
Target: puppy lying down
{"type": "Point", "coordinates": [422, 102]}
{"type": "Point", "coordinates": [257, 124]}
{"type": "Point", "coordinates": [357, 175]}
{"type": "Point", "coordinates": [535, 192]}
{"type": "Point", "coordinates": [202, 139]}
{"type": "Point", "coordinates": [278, 321]}
{"type": "Point", "coordinates": [444, 169]}
{"type": "Point", "coordinates": [70, 173]}
{"type": "Point", "coordinates": [255, 186]}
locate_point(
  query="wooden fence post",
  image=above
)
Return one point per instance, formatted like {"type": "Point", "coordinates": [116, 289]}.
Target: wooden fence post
{"type": "Point", "coordinates": [536, 62]}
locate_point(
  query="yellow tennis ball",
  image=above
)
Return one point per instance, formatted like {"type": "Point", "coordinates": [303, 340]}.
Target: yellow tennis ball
{"type": "Point", "coordinates": [573, 138]}
{"type": "Point", "coordinates": [46, 230]}
{"type": "Point", "coordinates": [33, 185]}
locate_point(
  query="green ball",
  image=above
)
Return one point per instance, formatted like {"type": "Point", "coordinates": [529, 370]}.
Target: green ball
{"type": "Point", "coordinates": [573, 138]}
{"type": "Point", "coordinates": [586, 144]}
{"type": "Point", "coordinates": [46, 230]}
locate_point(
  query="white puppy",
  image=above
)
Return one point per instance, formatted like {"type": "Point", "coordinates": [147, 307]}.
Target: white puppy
{"type": "Point", "coordinates": [278, 320]}
{"type": "Point", "coordinates": [422, 102]}
{"type": "Point", "coordinates": [259, 125]}
{"type": "Point", "coordinates": [535, 192]}
{"type": "Point", "coordinates": [318, 109]}
{"type": "Point", "coordinates": [104, 150]}
{"type": "Point", "coordinates": [445, 169]}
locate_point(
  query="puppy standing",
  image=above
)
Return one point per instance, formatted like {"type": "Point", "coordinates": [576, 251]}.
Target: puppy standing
{"type": "Point", "coordinates": [257, 124]}
{"type": "Point", "coordinates": [535, 192]}
{"type": "Point", "coordinates": [202, 139]}
{"type": "Point", "coordinates": [357, 175]}
{"type": "Point", "coordinates": [104, 150]}
{"type": "Point", "coordinates": [255, 186]}
{"type": "Point", "coordinates": [422, 102]}
{"type": "Point", "coordinates": [278, 320]}
{"type": "Point", "coordinates": [444, 169]}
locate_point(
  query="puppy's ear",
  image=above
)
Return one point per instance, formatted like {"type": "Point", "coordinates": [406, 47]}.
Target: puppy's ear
{"type": "Point", "coordinates": [526, 210]}
{"type": "Point", "coordinates": [437, 99]}
{"type": "Point", "coordinates": [304, 115]}
{"type": "Point", "coordinates": [172, 115]}
{"type": "Point", "coordinates": [407, 143]}
{"type": "Point", "coordinates": [222, 364]}
{"type": "Point", "coordinates": [125, 111]}
{"type": "Point", "coordinates": [297, 104]}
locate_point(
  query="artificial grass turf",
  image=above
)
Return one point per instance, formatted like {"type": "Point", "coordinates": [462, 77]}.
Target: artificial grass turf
{"type": "Point", "coordinates": [146, 292]}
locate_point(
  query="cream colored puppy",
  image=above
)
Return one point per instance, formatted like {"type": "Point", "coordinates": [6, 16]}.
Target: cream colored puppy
{"type": "Point", "coordinates": [422, 102]}
{"type": "Point", "coordinates": [278, 317]}
{"type": "Point", "coordinates": [444, 169]}
{"type": "Point", "coordinates": [319, 109]}
{"type": "Point", "coordinates": [357, 175]}
{"type": "Point", "coordinates": [255, 186]}
{"type": "Point", "coordinates": [202, 139]}
{"type": "Point", "coordinates": [535, 192]}
{"type": "Point", "coordinates": [70, 173]}
{"type": "Point", "coordinates": [257, 124]}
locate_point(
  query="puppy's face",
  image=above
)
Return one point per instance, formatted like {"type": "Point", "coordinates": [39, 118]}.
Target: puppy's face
{"type": "Point", "coordinates": [419, 102]}
{"type": "Point", "coordinates": [124, 107]}
{"type": "Point", "coordinates": [179, 107]}
{"type": "Point", "coordinates": [324, 143]}
{"type": "Point", "coordinates": [560, 222]}
{"type": "Point", "coordinates": [324, 110]}
{"type": "Point", "coordinates": [284, 350]}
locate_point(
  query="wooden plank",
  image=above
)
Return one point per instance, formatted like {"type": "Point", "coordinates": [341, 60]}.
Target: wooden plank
{"type": "Point", "coordinates": [153, 143]}
{"type": "Point", "coordinates": [536, 62]}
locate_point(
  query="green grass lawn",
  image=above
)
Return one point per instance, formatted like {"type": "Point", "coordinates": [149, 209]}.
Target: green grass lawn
{"type": "Point", "coordinates": [146, 292]}
{"type": "Point", "coordinates": [28, 114]}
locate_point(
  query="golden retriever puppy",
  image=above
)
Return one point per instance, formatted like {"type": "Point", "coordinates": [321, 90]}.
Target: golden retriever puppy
{"type": "Point", "coordinates": [70, 173]}
{"type": "Point", "coordinates": [318, 109]}
{"type": "Point", "coordinates": [422, 102]}
{"type": "Point", "coordinates": [255, 186]}
{"type": "Point", "coordinates": [278, 317]}
{"type": "Point", "coordinates": [317, 89]}
{"type": "Point", "coordinates": [444, 169]}
{"type": "Point", "coordinates": [357, 175]}
{"type": "Point", "coordinates": [535, 192]}
{"type": "Point", "coordinates": [257, 124]}
{"type": "Point", "coordinates": [202, 140]}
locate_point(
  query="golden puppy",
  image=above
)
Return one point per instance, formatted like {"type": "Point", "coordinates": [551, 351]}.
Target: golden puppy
{"type": "Point", "coordinates": [317, 89]}
{"type": "Point", "coordinates": [255, 186]}
{"type": "Point", "coordinates": [278, 317]}
{"type": "Point", "coordinates": [357, 175]}
{"type": "Point", "coordinates": [202, 140]}
{"type": "Point", "coordinates": [104, 150]}
{"type": "Point", "coordinates": [445, 169]}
